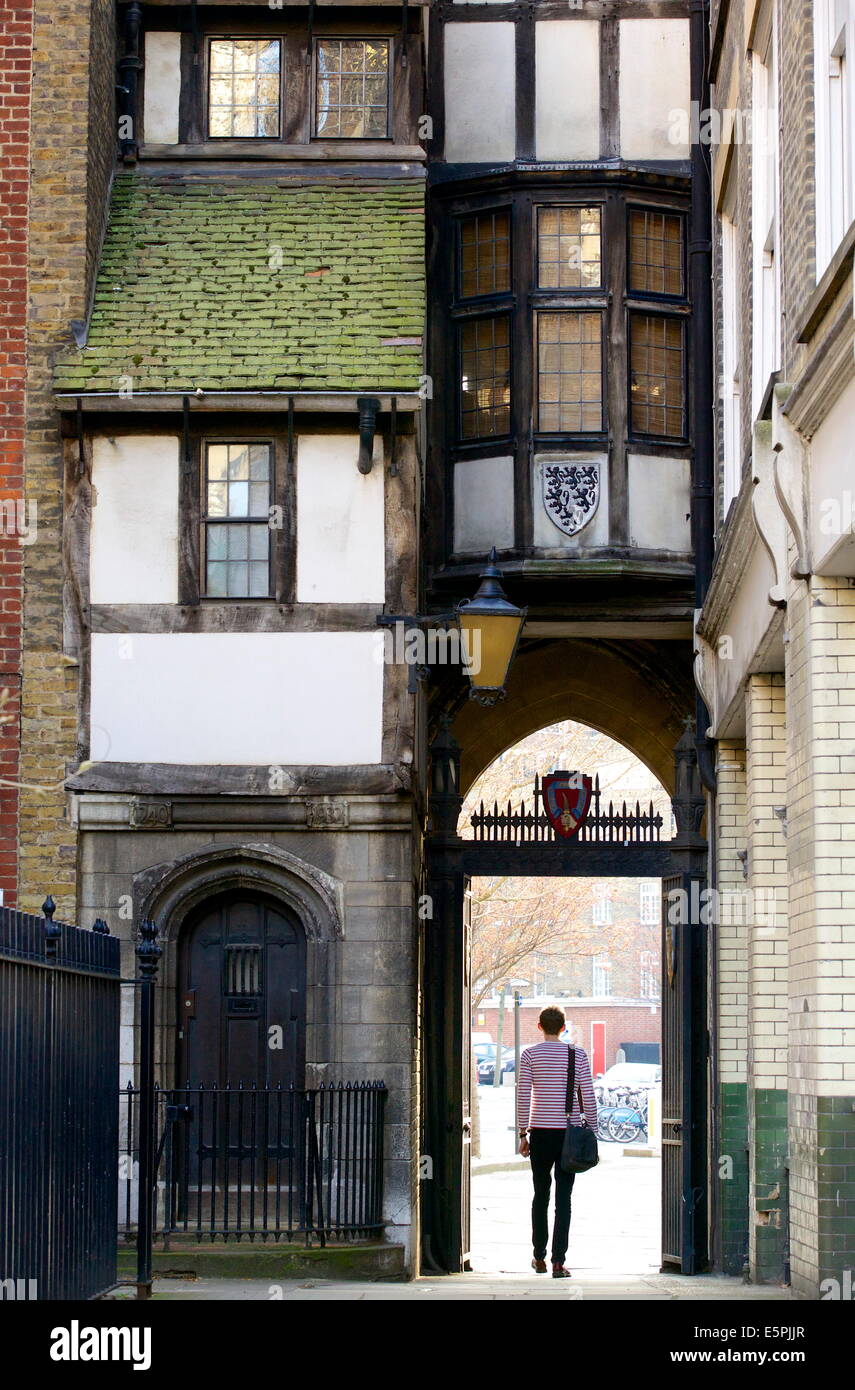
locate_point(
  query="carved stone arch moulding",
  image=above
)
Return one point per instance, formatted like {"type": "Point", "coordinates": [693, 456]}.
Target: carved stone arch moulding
{"type": "Point", "coordinates": [168, 892]}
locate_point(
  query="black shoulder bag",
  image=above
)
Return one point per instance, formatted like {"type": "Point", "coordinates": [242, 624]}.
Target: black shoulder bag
{"type": "Point", "coordinates": [579, 1152]}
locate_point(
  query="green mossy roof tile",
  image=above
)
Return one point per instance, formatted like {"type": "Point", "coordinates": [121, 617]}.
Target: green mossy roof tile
{"type": "Point", "coordinates": [223, 286]}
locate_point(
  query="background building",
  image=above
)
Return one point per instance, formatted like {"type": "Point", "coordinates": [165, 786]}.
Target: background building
{"type": "Point", "coordinates": [776, 632]}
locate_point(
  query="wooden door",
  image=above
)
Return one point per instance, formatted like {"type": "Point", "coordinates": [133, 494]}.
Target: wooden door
{"type": "Point", "coordinates": [243, 996]}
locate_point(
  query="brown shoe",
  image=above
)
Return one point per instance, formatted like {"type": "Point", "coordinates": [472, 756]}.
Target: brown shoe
{"type": "Point", "coordinates": [561, 1272]}
{"type": "Point", "coordinates": [539, 1266]}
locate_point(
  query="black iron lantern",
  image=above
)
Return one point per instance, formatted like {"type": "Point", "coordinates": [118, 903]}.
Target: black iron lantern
{"type": "Point", "coordinates": [490, 629]}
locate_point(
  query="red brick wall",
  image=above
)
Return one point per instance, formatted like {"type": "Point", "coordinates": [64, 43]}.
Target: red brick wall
{"type": "Point", "coordinates": [624, 1023]}
{"type": "Point", "coordinates": [16, 30]}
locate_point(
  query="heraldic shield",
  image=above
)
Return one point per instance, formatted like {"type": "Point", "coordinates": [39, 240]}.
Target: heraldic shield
{"type": "Point", "coordinates": [566, 800]}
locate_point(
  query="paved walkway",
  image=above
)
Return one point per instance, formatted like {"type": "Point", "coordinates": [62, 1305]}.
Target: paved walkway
{"type": "Point", "coordinates": [614, 1240]}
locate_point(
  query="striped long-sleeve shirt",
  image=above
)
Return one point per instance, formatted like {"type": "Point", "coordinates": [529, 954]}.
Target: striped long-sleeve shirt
{"type": "Point", "coordinates": [542, 1087]}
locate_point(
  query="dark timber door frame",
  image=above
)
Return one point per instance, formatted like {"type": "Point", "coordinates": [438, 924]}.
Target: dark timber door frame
{"type": "Point", "coordinates": [616, 846]}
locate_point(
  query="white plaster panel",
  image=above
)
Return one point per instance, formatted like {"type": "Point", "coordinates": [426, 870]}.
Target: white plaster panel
{"type": "Point", "coordinates": [655, 88]}
{"type": "Point", "coordinates": [659, 503]}
{"type": "Point", "coordinates": [162, 87]}
{"type": "Point", "coordinates": [480, 92]}
{"type": "Point", "coordinates": [832, 510]}
{"type": "Point", "coordinates": [133, 554]}
{"type": "Point", "coordinates": [567, 110]}
{"type": "Point", "coordinates": [746, 626]}
{"type": "Point", "coordinates": [483, 505]}
{"type": "Point", "coordinates": [340, 522]}
{"type": "Point", "coordinates": [548, 536]}
{"type": "Point", "coordinates": [236, 697]}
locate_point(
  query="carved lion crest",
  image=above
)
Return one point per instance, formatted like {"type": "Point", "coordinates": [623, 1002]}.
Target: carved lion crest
{"type": "Point", "coordinates": [571, 493]}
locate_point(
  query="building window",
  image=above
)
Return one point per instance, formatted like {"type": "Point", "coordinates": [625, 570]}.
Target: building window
{"type": "Point", "coordinates": [352, 89]}
{"type": "Point", "coordinates": [601, 984]}
{"type": "Point", "coordinates": [656, 253]}
{"type": "Point", "coordinates": [649, 903]}
{"type": "Point", "coordinates": [649, 981]}
{"type": "Point", "coordinates": [765, 192]}
{"type": "Point", "coordinates": [569, 373]}
{"type": "Point", "coordinates": [569, 250]}
{"type": "Point", "coordinates": [243, 88]}
{"type": "Point", "coordinates": [657, 370]}
{"type": "Point", "coordinates": [485, 254]}
{"type": "Point", "coordinates": [236, 519]}
{"type": "Point", "coordinates": [834, 93]}
{"type": "Point", "coordinates": [601, 914]}
{"type": "Point", "coordinates": [485, 378]}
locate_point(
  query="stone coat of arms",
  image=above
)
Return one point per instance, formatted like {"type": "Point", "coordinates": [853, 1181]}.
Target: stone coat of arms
{"type": "Point", "coordinates": [571, 493]}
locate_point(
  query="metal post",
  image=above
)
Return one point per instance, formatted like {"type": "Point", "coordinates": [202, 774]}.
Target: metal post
{"type": "Point", "coordinates": [148, 954]}
{"type": "Point", "coordinates": [517, 1007]}
{"type": "Point", "coordinates": [497, 1069]}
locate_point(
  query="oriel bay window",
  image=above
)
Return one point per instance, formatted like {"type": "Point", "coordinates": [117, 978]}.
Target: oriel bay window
{"type": "Point", "coordinates": [564, 318]}
{"type": "Point", "coordinates": [236, 512]}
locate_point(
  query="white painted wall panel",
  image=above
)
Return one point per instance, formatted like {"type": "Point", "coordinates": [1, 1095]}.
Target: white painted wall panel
{"type": "Point", "coordinates": [162, 87]}
{"type": "Point", "coordinates": [832, 509]}
{"type": "Point", "coordinates": [133, 555]}
{"type": "Point", "coordinates": [659, 503]}
{"type": "Point", "coordinates": [225, 698]}
{"type": "Point", "coordinates": [567, 107]}
{"type": "Point", "coordinates": [340, 522]}
{"type": "Point", "coordinates": [480, 87]}
{"type": "Point", "coordinates": [483, 505]}
{"type": "Point", "coordinates": [655, 88]}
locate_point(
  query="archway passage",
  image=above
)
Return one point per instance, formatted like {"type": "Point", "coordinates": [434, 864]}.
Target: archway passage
{"type": "Point", "coordinates": [242, 994]}
{"type": "Point", "coordinates": [615, 845]}
{"type": "Point", "coordinates": [636, 693]}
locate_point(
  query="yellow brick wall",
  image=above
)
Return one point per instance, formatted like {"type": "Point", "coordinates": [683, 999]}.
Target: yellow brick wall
{"type": "Point", "coordinates": [731, 837]}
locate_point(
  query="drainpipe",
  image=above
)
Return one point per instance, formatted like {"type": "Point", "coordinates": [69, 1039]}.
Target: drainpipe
{"type": "Point", "coordinates": [703, 518]}
{"type": "Point", "coordinates": [129, 69]}
{"type": "Point", "coordinates": [368, 407]}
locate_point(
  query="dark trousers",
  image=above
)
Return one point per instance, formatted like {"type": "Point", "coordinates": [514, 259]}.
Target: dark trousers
{"type": "Point", "coordinates": [546, 1145]}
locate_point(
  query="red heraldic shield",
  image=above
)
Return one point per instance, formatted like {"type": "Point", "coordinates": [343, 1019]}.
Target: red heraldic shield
{"type": "Point", "coordinates": [566, 800]}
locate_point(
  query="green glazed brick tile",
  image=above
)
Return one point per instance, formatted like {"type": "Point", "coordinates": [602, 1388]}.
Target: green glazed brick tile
{"type": "Point", "coordinates": [278, 286]}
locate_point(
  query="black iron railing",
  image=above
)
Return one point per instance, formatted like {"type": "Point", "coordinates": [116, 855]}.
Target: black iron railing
{"type": "Point", "coordinates": [259, 1163]}
{"type": "Point", "coordinates": [59, 1063]}
{"type": "Point", "coordinates": [619, 825]}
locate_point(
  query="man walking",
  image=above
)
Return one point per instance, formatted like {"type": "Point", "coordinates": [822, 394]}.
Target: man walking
{"type": "Point", "coordinates": [542, 1120]}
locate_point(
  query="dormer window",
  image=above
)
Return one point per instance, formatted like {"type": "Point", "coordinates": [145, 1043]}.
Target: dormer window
{"type": "Point", "coordinates": [244, 95]}
{"type": "Point", "coordinates": [352, 89]}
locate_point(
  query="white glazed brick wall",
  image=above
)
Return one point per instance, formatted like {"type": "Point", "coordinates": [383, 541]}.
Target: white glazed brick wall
{"type": "Point", "coordinates": [821, 831]}
{"type": "Point", "coordinates": [766, 789]}
{"type": "Point", "coordinates": [821, 835]}
{"type": "Point", "coordinates": [731, 836]}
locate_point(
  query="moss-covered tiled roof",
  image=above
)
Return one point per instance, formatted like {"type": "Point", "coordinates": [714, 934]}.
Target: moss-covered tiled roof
{"type": "Point", "coordinates": [245, 285]}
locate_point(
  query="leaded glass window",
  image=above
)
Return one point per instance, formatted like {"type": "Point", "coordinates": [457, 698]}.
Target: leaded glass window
{"type": "Point", "coordinates": [243, 88]}
{"type": "Point", "coordinates": [569, 248]}
{"type": "Point", "coordinates": [485, 378]}
{"type": "Point", "coordinates": [485, 254]}
{"type": "Point", "coordinates": [655, 252]}
{"type": "Point", "coordinates": [236, 519]}
{"type": "Point", "coordinates": [657, 369]}
{"type": "Point", "coordinates": [352, 89]}
{"type": "Point", "coordinates": [569, 372]}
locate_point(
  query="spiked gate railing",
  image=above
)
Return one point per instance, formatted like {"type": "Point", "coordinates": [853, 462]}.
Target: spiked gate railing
{"type": "Point", "coordinates": [521, 825]}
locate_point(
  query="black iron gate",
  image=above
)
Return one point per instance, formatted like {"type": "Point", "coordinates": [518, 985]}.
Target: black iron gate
{"type": "Point", "coordinates": [614, 841]}
{"type": "Point", "coordinates": [59, 1068]}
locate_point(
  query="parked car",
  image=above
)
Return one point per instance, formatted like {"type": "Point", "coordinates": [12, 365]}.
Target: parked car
{"type": "Point", "coordinates": [487, 1065]}
{"type": "Point", "coordinates": [626, 1079]}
